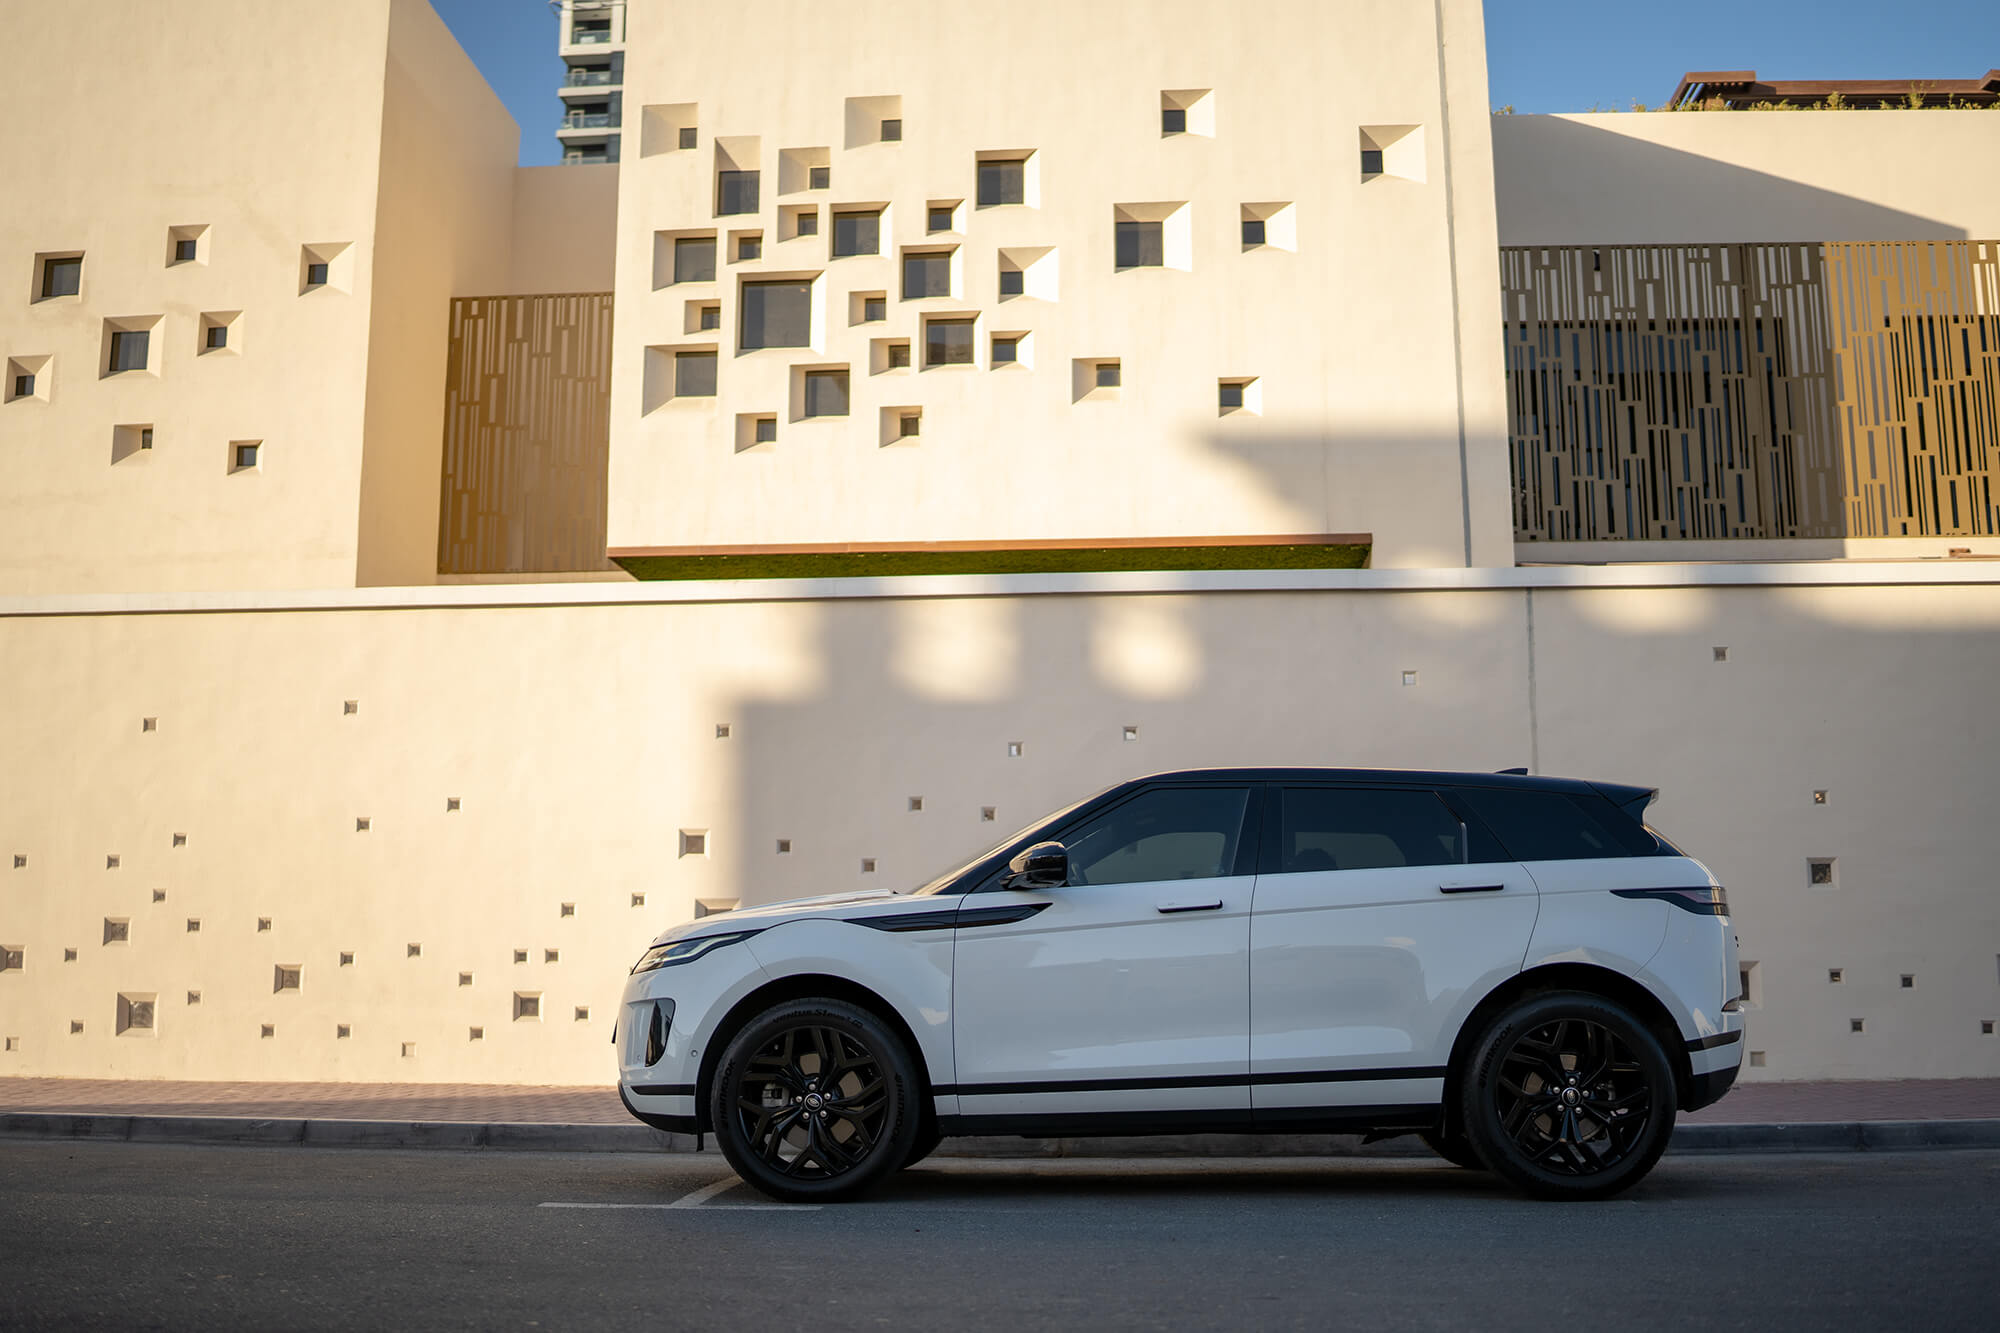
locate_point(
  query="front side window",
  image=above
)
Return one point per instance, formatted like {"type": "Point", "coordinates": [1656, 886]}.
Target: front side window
{"type": "Point", "coordinates": [735, 192]}
{"type": "Point", "coordinates": [777, 314]}
{"type": "Point", "coordinates": [926, 274]}
{"type": "Point", "coordinates": [1165, 834]}
{"type": "Point", "coordinates": [1347, 828]}
{"type": "Point", "coordinates": [1002, 181]}
{"type": "Point", "coordinates": [857, 234]}
{"type": "Point", "coordinates": [694, 259]}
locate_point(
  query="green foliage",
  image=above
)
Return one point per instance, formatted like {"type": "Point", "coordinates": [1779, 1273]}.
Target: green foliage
{"type": "Point", "coordinates": [893, 564]}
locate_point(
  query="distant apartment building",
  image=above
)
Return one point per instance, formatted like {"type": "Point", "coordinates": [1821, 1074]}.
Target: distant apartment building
{"type": "Point", "coordinates": [591, 40]}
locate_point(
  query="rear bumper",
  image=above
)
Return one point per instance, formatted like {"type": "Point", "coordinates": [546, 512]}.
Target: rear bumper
{"type": "Point", "coordinates": [1707, 1089]}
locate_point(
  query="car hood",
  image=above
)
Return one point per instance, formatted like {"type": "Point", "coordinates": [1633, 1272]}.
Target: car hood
{"type": "Point", "coordinates": [770, 914]}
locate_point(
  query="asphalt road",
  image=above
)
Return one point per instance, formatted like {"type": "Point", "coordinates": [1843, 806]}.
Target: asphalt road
{"type": "Point", "coordinates": [125, 1235]}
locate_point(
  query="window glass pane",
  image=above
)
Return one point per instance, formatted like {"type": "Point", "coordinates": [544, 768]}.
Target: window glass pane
{"type": "Point", "coordinates": [1011, 281]}
{"type": "Point", "coordinates": [218, 335]}
{"type": "Point", "coordinates": [808, 224]}
{"type": "Point", "coordinates": [777, 314]}
{"type": "Point", "coordinates": [736, 192]}
{"type": "Point", "coordinates": [1140, 245]}
{"type": "Point", "coordinates": [1108, 376]}
{"type": "Point", "coordinates": [948, 342]}
{"type": "Point", "coordinates": [62, 277]}
{"type": "Point", "coordinates": [711, 317]}
{"type": "Point", "coordinates": [1002, 182]}
{"type": "Point", "coordinates": [767, 429]}
{"type": "Point", "coordinates": [1169, 833]}
{"type": "Point", "coordinates": [749, 247]}
{"type": "Point", "coordinates": [826, 393]}
{"type": "Point", "coordinates": [892, 131]}
{"type": "Point", "coordinates": [687, 136]}
{"type": "Point", "coordinates": [899, 355]}
{"type": "Point", "coordinates": [1173, 120]}
{"type": "Point", "coordinates": [1371, 161]}
{"type": "Point", "coordinates": [1328, 828]}
{"type": "Point", "coordinates": [1253, 231]}
{"type": "Point", "coordinates": [857, 233]}
{"type": "Point", "coordinates": [940, 219]}
{"type": "Point", "coordinates": [694, 374]}
{"type": "Point", "coordinates": [128, 350]}
{"type": "Point", "coordinates": [1540, 825]}
{"type": "Point", "coordinates": [1232, 395]}
{"type": "Point", "coordinates": [926, 275]}
{"type": "Point", "coordinates": [1005, 350]}
{"type": "Point", "coordinates": [315, 275]}
{"type": "Point", "coordinates": [694, 259]}
{"type": "Point", "coordinates": [819, 178]}
{"type": "Point", "coordinates": [874, 308]}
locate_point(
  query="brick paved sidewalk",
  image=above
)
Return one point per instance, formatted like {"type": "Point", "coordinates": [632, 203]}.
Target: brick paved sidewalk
{"type": "Point", "coordinates": [1756, 1103]}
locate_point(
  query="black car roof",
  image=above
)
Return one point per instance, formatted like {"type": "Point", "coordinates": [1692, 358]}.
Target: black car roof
{"type": "Point", "coordinates": [1414, 777]}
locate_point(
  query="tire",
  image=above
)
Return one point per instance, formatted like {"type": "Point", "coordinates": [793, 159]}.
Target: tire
{"type": "Point", "coordinates": [766, 1109]}
{"type": "Point", "coordinates": [1568, 1096]}
{"type": "Point", "coordinates": [927, 1143]}
{"type": "Point", "coordinates": [1453, 1147]}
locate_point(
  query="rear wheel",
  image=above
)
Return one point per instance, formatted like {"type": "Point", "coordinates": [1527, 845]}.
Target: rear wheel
{"type": "Point", "coordinates": [927, 1143]}
{"type": "Point", "coordinates": [1453, 1146]}
{"type": "Point", "coordinates": [815, 1100]}
{"type": "Point", "coordinates": [1568, 1096]}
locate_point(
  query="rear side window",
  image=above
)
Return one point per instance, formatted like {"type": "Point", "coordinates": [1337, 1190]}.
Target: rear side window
{"type": "Point", "coordinates": [1351, 828]}
{"type": "Point", "coordinates": [1549, 825]}
{"type": "Point", "coordinates": [1166, 833]}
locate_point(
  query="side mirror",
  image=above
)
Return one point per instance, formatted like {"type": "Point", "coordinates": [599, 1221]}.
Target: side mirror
{"type": "Point", "coordinates": [1043, 866]}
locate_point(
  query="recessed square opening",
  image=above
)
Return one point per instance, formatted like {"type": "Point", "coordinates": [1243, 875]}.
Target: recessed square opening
{"type": "Point", "coordinates": [287, 976]}
{"type": "Point", "coordinates": [117, 930]}
{"type": "Point", "coordinates": [220, 333]}
{"type": "Point", "coordinates": [902, 425]}
{"type": "Point", "coordinates": [136, 1012]}
{"type": "Point", "coordinates": [745, 246]}
{"type": "Point", "coordinates": [931, 273]}
{"type": "Point", "coordinates": [187, 245]}
{"type": "Point", "coordinates": [1012, 349]}
{"type": "Point", "coordinates": [58, 276]}
{"type": "Point", "coordinates": [683, 257]}
{"type": "Point", "coordinates": [248, 456]}
{"type": "Point", "coordinates": [756, 431]}
{"type": "Point", "coordinates": [668, 127]}
{"type": "Point", "coordinates": [29, 377]}
{"type": "Point", "coordinates": [326, 266]}
{"type": "Point", "coordinates": [1096, 379]}
{"type": "Point", "coordinates": [951, 340]}
{"type": "Point", "coordinates": [1822, 872]}
{"type": "Point", "coordinates": [795, 222]}
{"type": "Point", "coordinates": [803, 169]}
{"type": "Point", "coordinates": [527, 1006]}
{"type": "Point", "coordinates": [1239, 395]}
{"type": "Point", "coordinates": [887, 355]}
{"type": "Point", "coordinates": [694, 842]}
{"type": "Point", "coordinates": [819, 392]}
{"type": "Point", "coordinates": [858, 230]}
{"type": "Point", "coordinates": [1749, 984]}
{"type": "Point", "coordinates": [1028, 272]}
{"type": "Point", "coordinates": [128, 346]}
{"type": "Point", "coordinates": [944, 215]}
{"type": "Point", "coordinates": [867, 307]}
{"type": "Point", "coordinates": [1270, 226]}
{"type": "Point", "coordinates": [738, 181]}
{"type": "Point", "coordinates": [1157, 235]}
{"type": "Point", "coordinates": [132, 442]}
{"type": "Point", "coordinates": [781, 310]}
{"type": "Point", "coordinates": [1187, 111]}
{"type": "Point", "coordinates": [702, 317]}
{"type": "Point", "coordinates": [1392, 152]}
{"type": "Point", "coordinates": [1006, 177]}
{"type": "Point", "coordinates": [873, 120]}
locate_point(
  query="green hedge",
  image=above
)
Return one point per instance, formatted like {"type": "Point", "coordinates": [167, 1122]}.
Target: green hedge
{"type": "Point", "coordinates": [890, 564]}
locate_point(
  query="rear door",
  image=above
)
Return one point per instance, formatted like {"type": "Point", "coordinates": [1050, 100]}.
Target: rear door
{"type": "Point", "coordinates": [1373, 927]}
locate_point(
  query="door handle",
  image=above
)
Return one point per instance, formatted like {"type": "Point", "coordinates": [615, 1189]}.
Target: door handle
{"type": "Point", "coordinates": [1203, 906]}
{"type": "Point", "coordinates": [1470, 888]}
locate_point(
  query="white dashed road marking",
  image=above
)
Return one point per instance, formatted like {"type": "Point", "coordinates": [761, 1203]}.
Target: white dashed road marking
{"type": "Point", "coordinates": [699, 1198]}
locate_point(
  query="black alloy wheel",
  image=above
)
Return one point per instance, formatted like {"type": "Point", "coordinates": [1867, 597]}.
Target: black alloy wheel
{"type": "Point", "coordinates": [1569, 1097]}
{"type": "Point", "coordinates": [815, 1100]}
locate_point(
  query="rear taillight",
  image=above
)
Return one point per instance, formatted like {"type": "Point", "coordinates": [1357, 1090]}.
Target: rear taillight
{"type": "Point", "coordinates": [1710, 900]}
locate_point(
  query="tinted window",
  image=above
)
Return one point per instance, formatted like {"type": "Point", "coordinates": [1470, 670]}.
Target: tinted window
{"type": "Point", "coordinates": [694, 374]}
{"type": "Point", "coordinates": [62, 277]}
{"type": "Point", "coordinates": [926, 275]}
{"type": "Point", "coordinates": [694, 259]}
{"type": "Point", "coordinates": [1002, 182]}
{"type": "Point", "coordinates": [736, 192]}
{"type": "Point", "coordinates": [948, 342]}
{"type": "Point", "coordinates": [1333, 828]}
{"type": "Point", "coordinates": [1140, 245]}
{"type": "Point", "coordinates": [1168, 833]}
{"type": "Point", "coordinates": [857, 233]}
{"type": "Point", "coordinates": [1541, 825]}
{"type": "Point", "coordinates": [777, 314]}
{"type": "Point", "coordinates": [826, 393]}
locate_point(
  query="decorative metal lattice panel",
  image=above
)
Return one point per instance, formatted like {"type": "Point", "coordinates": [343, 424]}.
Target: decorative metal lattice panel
{"type": "Point", "coordinates": [1752, 391]}
{"type": "Point", "coordinates": [527, 434]}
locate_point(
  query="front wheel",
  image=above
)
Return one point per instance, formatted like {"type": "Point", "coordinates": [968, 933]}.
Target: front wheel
{"type": "Point", "coordinates": [815, 1100]}
{"type": "Point", "coordinates": [1568, 1096]}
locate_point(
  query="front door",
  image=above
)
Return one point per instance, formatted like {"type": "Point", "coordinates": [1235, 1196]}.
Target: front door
{"type": "Point", "coordinates": [1124, 993]}
{"type": "Point", "coordinates": [1377, 924]}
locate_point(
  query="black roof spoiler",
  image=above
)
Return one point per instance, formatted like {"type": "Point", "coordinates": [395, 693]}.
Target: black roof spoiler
{"type": "Point", "coordinates": [1632, 800]}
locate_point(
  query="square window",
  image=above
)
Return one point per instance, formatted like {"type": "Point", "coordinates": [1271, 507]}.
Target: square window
{"type": "Point", "coordinates": [694, 842]}
{"type": "Point", "coordinates": [551, 955]}
{"type": "Point", "coordinates": [784, 846]}
{"type": "Point", "coordinates": [939, 219]}
{"type": "Point", "coordinates": [184, 251]}
{"type": "Point", "coordinates": [135, 1013]}
{"type": "Point", "coordinates": [1140, 244]}
{"type": "Point", "coordinates": [638, 900]}
{"type": "Point", "coordinates": [245, 454]}
{"type": "Point", "coordinates": [1820, 872]}
{"type": "Point", "coordinates": [826, 393]}
{"type": "Point", "coordinates": [346, 959]}
{"type": "Point", "coordinates": [217, 336]}
{"type": "Point", "coordinates": [687, 136]}
{"type": "Point", "coordinates": [286, 977]}
{"type": "Point", "coordinates": [809, 223]}
{"type": "Point", "coordinates": [1253, 231]}
{"type": "Point", "coordinates": [898, 355]}
{"type": "Point", "coordinates": [145, 437]}
{"type": "Point", "coordinates": [874, 309]}
{"type": "Point", "coordinates": [1006, 350]}
{"type": "Point", "coordinates": [315, 275]}
{"type": "Point", "coordinates": [24, 386]}
{"type": "Point", "coordinates": [1173, 120]}
{"type": "Point", "coordinates": [735, 192]}
{"type": "Point", "coordinates": [777, 314]}
{"type": "Point", "coordinates": [819, 178]}
{"type": "Point", "coordinates": [1109, 374]}
{"type": "Point", "coordinates": [749, 247]}
{"type": "Point", "coordinates": [857, 233]}
{"type": "Point", "coordinates": [117, 930]}
{"type": "Point", "coordinates": [694, 374]}
{"type": "Point", "coordinates": [520, 955]}
{"type": "Point", "coordinates": [129, 348]}
{"type": "Point", "coordinates": [527, 1005]}
{"type": "Point", "coordinates": [583, 1013]}
{"type": "Point", "coordinates": [926, 274]}
{"type": "Point", "coordinates": [909, 425]}
{"type": "Point", "coordinates": [892, 131]}
{"type": "Point", "coordinates": [694, 259]}
{"type": "Point", "coordinates": [11, 959]}
{"type": "Point", "coordinates": [1012, 282]}
{"type": "Point", "coordinates": [709, 318]}
{"type": "Point", "coordinates": [1002, 180]}
{"type": "Point", "coordinates": [765, 431]}
{"type": "Point", "coordinates": [1371, 162]}
{"type": "Point", "coordinates": [948, 342]}
{"type": "Point", "coordinates": [867, 865]}
{"type": "Point", "coordinates": [414, 951]}
{"type": "Point", "coordinates": [465, 978]}
{"type": "Point", "coordinates": [62, 277]}
{"type": "Point", "coordinates": [1230, 395]}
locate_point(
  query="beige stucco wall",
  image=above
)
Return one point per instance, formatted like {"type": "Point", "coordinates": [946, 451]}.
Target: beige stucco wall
{"type": "Point", "coordinates": [1715, 176]}
{"type": "Point", "coordinates": [565, 231]}
{"type": "Point", "coordinates": [577, 728]}
{"type": "Point", "coordinates": [1352, 335]}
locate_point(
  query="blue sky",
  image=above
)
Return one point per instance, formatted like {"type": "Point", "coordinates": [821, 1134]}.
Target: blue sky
{"type": "Point", "coordinates": [1542, 55]}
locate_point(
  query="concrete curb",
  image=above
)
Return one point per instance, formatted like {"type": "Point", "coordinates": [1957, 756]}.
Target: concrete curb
{"type": "Point", "coordinates": [1802, 1137]}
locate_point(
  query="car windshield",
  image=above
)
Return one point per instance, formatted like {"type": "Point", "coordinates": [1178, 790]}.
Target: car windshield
{"type": "Point", "coordinates": [948, 876]}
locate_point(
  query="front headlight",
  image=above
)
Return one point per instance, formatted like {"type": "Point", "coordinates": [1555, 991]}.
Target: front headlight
{"type": "Point", "coordinates": [686, 951]}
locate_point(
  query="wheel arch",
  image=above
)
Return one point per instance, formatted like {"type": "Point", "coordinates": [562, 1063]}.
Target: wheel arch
{"type": "Point", "coordinates": [801, 986]}
{"type": "Point", "coordinates": [1588, 978]}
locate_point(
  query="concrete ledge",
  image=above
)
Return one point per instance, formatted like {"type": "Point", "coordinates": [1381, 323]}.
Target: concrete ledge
{"type": "Point", "coordinates": [1803, 1137]}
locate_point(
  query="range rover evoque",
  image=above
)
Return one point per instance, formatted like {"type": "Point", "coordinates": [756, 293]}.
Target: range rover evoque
{"type": "Point", "coordinates": [1515, 968]}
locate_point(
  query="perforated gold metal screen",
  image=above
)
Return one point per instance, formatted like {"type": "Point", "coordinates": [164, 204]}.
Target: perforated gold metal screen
{"type": "Point", "coordinates": [1752, 391]}
{"type": "Point", "coordinates": [527, 434]}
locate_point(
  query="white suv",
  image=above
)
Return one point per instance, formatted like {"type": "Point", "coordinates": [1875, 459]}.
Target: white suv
{"type": "Point", "coordinates": [1516, 968]}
